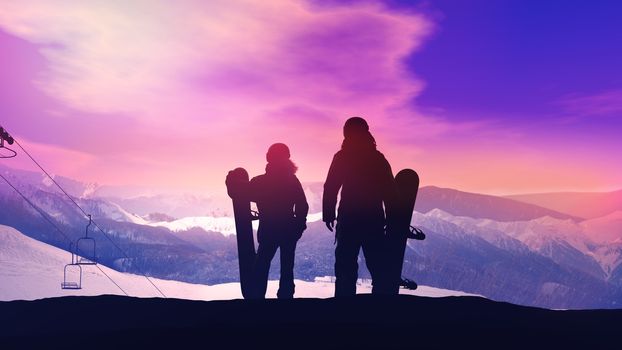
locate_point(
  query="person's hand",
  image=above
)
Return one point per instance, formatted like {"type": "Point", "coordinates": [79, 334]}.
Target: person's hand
{"type": "Point", "coordinates": [302, 226]}
{"type": "Point", "coordinates": [330, 225]}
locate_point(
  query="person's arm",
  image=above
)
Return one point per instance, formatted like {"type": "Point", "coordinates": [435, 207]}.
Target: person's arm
{"type": "Point", "coordinates": [253, 189]}
{"type": "Point", "coordinates": [301, 207]}
{"type": "Point", "coordinates": [389, 189]}
{"type": "Point", "coordinates": [334, 181]}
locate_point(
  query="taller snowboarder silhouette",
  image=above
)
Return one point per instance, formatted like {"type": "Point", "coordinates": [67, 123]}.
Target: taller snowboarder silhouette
{"type": "Point", "coordinates": [366, 181]}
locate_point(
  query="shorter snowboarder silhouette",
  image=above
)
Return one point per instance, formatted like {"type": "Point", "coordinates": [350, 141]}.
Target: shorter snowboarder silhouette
{"type": "Point", "coordinates": [283, 210]}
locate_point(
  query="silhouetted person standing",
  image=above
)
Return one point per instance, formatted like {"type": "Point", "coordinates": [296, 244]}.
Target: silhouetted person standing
{"type": "Point", "coordinates": [283, 209]}
{"type": "Point", "coordinates": [366, 182]}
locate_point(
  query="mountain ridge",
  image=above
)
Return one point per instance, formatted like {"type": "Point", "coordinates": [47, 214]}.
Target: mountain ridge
{"type": "Point", "coordinates": [481, 206]}
{"type": "Point", "coordinates": [588, 205]}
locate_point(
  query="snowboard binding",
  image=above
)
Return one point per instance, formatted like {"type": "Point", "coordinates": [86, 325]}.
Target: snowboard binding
{"type": "Point", "coordinates": [416, 233]}
{"type": "Point", "coordinates": [408, 284]}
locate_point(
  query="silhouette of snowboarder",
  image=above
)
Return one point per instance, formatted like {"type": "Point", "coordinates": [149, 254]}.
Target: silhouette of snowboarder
{"type": "Point", "coordinates": [366, 182]}
{"type": "Point", "coordinates": [283, 210]}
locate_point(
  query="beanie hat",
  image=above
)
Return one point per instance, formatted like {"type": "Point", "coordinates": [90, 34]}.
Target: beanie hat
{"type": "Point", "coordinates": [355, 125]}
{"type": "Point", "coordinates": [277, 152]}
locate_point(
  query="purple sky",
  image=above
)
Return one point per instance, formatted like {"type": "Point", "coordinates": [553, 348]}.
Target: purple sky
{"type": "Point", "coordinates": [487, 96]}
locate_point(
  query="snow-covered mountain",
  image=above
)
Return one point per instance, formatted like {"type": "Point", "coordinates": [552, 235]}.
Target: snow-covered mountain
{"type": "Point", "coordinates": [457, 254]}
{"type": "Point", "coordinates": [499, 248]}
{"type": "Point", "coordinates": [591, 246]}
{"type": "Point", "coordinates": [175, 205]}
{"type": "Point", "coordinates": [30, 269]}
{"type": "Point", "coordinates": [54, 203]}
{"type": "Point", "coordinates": [40, 181]}
{"type": "Point", "coordinates": [222, 224]}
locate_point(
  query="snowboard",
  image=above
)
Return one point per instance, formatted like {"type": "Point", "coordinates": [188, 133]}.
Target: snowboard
{"type": "Point", "coordinates": [399, 229]}
{"type": "Point", "coordinates": [237, 182]}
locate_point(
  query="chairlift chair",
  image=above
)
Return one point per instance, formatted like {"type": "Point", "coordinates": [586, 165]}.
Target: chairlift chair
{"type": "Point", "coordinates": [86, 248]}
{"type": "Point", "coordinates": [69, 273]}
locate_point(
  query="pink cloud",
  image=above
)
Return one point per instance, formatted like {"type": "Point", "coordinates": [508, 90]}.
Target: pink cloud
{"type": "Point", "coordinates": [71, 162]}
{"type": "Point", "coordinates": [196, 76]}
{"type": "Point", "coordinates": [604, 103]}
{"type": "Point", "coordinates": [171, 94]}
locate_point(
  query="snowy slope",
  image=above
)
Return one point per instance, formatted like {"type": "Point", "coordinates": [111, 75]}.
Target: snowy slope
{"type": "Point", "coordinates": [223, 224]}
{"type": "Point", "coordinates": [30, 269]}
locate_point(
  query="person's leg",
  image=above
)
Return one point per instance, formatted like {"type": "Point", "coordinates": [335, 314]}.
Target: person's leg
{"type": "Point", "coordinates": [265, 253]}
{"type": "Point", "coordinates": [346, 265]}
{"type": "Point", "coordinates": [373, 249]}
{"type": "Point", "coordinates": [286, 283]}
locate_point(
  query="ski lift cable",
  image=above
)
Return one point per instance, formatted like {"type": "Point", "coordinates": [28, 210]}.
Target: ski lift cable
{"type": "Point", "coordinates": [57, 228]}
{"type": "Point", "coordinates": [37, 209]}
{"type": "Point", "coordinates": [51, 178]}
{"type": "Point", "coordinates": [111, 280]}
{"type": "Point", "coordinates": [86, 215]}
{"type": "Point", "coordinates": [127, 257]}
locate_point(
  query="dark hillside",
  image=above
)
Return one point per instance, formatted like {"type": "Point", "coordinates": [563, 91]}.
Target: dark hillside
{"type": "Point", "coordinates": [362, 322]}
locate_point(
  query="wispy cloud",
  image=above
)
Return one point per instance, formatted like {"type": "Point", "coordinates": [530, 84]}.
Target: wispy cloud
{"type": "Point", "coordinates": [177, 93]}
{"type": "Point", "coordinates": [201, 74]}
{"type": "Point", "coordinates": [607, 103]}
{"type": "Point", "coordinates": [192, 60]}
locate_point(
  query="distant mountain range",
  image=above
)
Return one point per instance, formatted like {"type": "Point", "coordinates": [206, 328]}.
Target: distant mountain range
{"type": "Point", "coordinates": [497, 247]}
{"type": "Point", "coordinates": [481, 206]}
{"type": "Point", "coordinates": [588, 205]}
